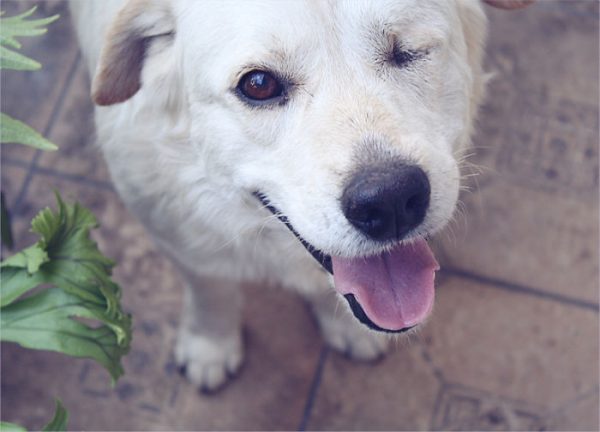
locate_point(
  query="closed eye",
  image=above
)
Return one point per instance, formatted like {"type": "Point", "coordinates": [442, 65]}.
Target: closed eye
{"type": "Point", "coordinates": [402, 57]}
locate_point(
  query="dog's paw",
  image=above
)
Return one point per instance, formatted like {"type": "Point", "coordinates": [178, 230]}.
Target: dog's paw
{"type": "Point", "coordinates": [208, 362]}
{"type": "Point", "coordinates": [353, 339]}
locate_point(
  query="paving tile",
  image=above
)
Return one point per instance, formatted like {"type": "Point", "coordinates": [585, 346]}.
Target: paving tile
{"type": "Point", "coordinates": [283, 346]}
{"type": "Point", "coordinates": [74, 134]}
{"type": "Point", "coordinates": [518, 353]}
{"type": "Point", "coordinates": [548, 49]}
{"type": "Point", "coordinates": [26, 401]}
{"type": "Point", "coordinates": [580, 415]}
{"type": "Point", "coordinates": [461, 408]}
{"type": "Point", "coordinates": [397, 393]}
{"type": "Point", "coordinates": [533, 218]}
{"type": "Point", "coordinates": [32, 96]}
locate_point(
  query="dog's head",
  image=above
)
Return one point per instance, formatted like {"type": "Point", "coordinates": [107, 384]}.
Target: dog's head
{"type": "Point", "coordinates": [346, 118]}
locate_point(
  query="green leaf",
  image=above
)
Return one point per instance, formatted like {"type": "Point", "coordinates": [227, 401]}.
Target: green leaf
{"type": "Point", "coordinates": [18, 26]}
{"type": "Point", "coordinates": [6, 226]}
{"type": "Point", "coordinates": [59, 421]}
{"type": "Point", "coordinates": [13, 60]}
{"type": "Point", "coordinates": [30, 258]}
{"type": "Point", "coordinates": [15, 283]}
{"type": "Point", "coordinates": [43, 321]}
{"type": "Point", "coordinates": [82, 288]}
{"type": "Point", "coordinates": [14, 131]}
{"type": "Point", "coordinates": [11, 427]}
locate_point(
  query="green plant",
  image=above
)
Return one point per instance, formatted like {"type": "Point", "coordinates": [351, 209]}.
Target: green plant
{"type": "Point", "coordinates": [66, 258]}
{"type": "Point", "coordinates": [14, 131]}
{"type": "Point", "coordinates": [57, 294]}
{"type": "Point", "coordinates": [11, 130]}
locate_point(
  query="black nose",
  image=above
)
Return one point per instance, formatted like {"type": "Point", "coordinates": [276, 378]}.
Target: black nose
{"type": "Point", "coordinates": [386, 201]}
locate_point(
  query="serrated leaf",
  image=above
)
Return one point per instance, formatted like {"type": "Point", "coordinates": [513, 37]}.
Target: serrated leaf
{"type": "Point", "coordinates": [15, 283]}
{"type": "Point", "coordinates": [11, 427]}
{"type": "Point", "coordinates": [44, 321]}
{"type": "Point", "coordinates": [83, 288]}
{"type": "Point", "coordinates": [13, 60]}
{"type": "Point", "coordinates": [60, 419]}
{"type": "Point", "coordinates": [30, 258]}
{"type": "Point", "coordinates": [14, 131]}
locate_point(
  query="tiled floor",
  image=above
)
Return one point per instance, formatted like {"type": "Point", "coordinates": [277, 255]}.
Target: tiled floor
{"type": "Point", "coordinates": [513, 343]}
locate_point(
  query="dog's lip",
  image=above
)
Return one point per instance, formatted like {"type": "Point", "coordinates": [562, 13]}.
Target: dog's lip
{"type": "Point", "coordinates": [360, 314]}
{"type": "Point", "coordinates": [322, 258]}
{"type": "Point", "coordinates": [325, 261]}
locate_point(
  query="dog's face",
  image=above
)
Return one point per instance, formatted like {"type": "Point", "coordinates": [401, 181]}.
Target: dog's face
{"type": "Point", "coordinates": [295, 99]}
{"type": "Point", "coordinates": [347, 117]}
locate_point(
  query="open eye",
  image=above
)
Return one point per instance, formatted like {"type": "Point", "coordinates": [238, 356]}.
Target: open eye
{"type": "Point", "coordinates": [259, 85]}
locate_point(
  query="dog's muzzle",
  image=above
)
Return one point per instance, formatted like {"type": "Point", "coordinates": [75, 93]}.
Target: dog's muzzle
{"type": "Point", "coordinates": [325, 261]}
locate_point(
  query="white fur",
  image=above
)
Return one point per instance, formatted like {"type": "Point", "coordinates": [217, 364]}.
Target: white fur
{"type": "Point", "coordinates": [185, 153]}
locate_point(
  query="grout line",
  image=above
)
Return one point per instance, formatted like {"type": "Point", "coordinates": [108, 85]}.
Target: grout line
{"type": "Point", "coordinates": [18, 163]}
{"type": "Point", "coordinates": [437, 372]}
{"type": "Point", "coordinates": [521, 289]}
{"type": "Point", "coordinates": [49, 126]}
{"type": "Point", "coordinates": [437, 404]}
{"type": "Point", "coordinates": [314, 387]}
{"type": "Point", "coordinates": [76, 178]}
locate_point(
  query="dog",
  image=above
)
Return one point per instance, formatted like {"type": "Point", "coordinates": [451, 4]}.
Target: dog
{"type": "Point", "coordinates": [310, 144]}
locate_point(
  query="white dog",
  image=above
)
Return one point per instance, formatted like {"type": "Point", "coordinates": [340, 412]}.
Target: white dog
{"type": "Point", "coordinates": [249, 135]}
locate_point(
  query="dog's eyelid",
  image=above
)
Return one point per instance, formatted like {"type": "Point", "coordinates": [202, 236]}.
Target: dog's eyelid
{"type": "Point", "coordinates": [264, 104]}
{"type": "Point", "coordinates": [401, 53]}
{"type": "Point", "coordinates": [401, 56]}
{"type": "Point", "coordinates": [286, 79]}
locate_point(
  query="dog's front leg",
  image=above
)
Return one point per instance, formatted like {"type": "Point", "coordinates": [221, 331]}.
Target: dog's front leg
{"type": "Point", "coordinates": [209, 345]}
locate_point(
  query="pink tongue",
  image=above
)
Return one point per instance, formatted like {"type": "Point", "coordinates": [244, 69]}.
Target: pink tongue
{"type": "Point", "coordinates": [395, 289]}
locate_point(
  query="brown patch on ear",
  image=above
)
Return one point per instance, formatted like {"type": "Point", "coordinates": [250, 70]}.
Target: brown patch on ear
{"type": "Point", "coordinates": [118, 75]}
{"type": "Point", "coordinates": [509, 4]}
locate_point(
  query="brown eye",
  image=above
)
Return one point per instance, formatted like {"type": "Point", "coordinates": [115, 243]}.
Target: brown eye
{"type": "Point", "coordinates": [260, 86]}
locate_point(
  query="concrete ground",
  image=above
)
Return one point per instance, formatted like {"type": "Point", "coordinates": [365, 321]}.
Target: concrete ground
{"type": "Point", "coordinates": [513, 343]}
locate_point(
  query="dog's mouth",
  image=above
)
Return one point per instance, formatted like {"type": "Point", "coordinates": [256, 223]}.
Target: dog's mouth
{"type": "Point", "coordinates": [391, 292]}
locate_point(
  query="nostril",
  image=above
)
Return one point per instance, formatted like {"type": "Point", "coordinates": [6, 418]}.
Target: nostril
{"type": "Point", "coordinates": [368, 218]}
{"type": "Point", "coordinates": [413, 204]}
{"type": "Point", "coordinates": [417, 203]}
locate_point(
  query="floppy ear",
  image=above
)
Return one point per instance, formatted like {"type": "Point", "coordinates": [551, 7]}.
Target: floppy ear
{"type": "Point", "coordinates": [509, 4]}
{"type": "Point", "coordinates": [119, 71]}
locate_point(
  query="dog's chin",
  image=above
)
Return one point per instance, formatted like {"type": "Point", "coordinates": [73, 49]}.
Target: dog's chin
{"type": "Point", "coordinates": [326, 263]}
